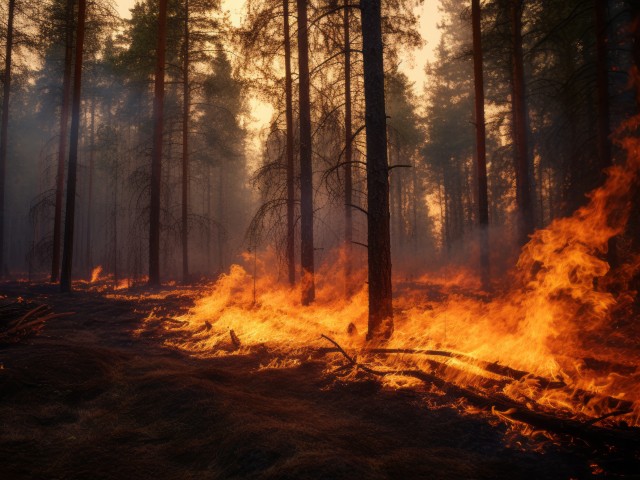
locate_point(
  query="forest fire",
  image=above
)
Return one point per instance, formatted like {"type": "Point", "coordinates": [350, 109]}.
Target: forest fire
{"type": "Point", "coordinates": [546, 342]}
{"type": "Point", "coordinates": [378, 239]}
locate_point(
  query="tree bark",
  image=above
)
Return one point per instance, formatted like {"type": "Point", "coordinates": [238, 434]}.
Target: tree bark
{"type": "Point", "coordinates": [481, 149]}
{"type": "Point", "coordinates": [185, 150]}
{"type": "Point", "coordinates": [209, 221]}
{"type": "Point", "coordinates": [603, 124]}
{"type": "Point", "coordinates": [67, 252]}
{"type": "Point", "coordinates": [380, 324]}
{"type": "Point", "coordinates": [156, 149]}
{"type": "Point", "coordinates": [634, 225]}
{"type": "Point", "coordinates": [519, 112]}
{"type": "Point", "coordinates": [600, 21]}
{"type": "Point", "coordinates": [291, 246]}
{"type": "Point", "coordinates": [635, 69]}
{"type": "Point", "coordinates": [114, 220]}
{"type": "Point", "coordinates": [306, 170]}
{"type": "Point", "coordinates": [4, 133]}
{"type": "Point", "coordinates": [92, 153]}
{"type": "Point", "coordinates": [348, 157]}
{"type": "Point", "coordinates": [62, 142]}
{"type": "Point", "coordinates": [221, 219]}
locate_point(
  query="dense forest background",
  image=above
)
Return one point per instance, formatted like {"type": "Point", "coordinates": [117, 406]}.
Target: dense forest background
{"type": "Point", "coordinates": [224, 192]}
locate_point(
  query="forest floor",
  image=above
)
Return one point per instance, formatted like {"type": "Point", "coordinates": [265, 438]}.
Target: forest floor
{"type": "Point", "coordinates": [90, 397]}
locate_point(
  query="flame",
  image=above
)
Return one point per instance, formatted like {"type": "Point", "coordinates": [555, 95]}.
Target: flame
{"type": "Point", "coordinates": [532, 341]}
{"type": "Point", "coordinates": [95, 274]}
{"type": "Point", "coordinates": [105, 282]}
{"type": "Point", "coordinates": [275, 316]}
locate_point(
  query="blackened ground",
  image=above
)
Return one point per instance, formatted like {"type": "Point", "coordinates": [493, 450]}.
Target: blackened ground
{"type": "Point", "coordinates": [89, 399]}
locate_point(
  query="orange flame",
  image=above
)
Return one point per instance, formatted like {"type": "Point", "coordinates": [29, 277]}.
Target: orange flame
{"type": "Point", "coordinates": [540, 325]}
{"type": "Point", "coordinates": [95, 274]}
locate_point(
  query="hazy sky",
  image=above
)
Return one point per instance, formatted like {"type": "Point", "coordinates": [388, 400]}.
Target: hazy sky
{"type": "Point", "coordinates": [415, 70]}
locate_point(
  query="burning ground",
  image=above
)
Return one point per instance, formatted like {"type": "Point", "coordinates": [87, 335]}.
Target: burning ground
{"type": "Point", "coordinates": [536, 379]}
{"type": "Point", "coordinates": [96, 395]}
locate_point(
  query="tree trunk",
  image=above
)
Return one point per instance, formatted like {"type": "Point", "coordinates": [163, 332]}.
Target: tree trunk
{"type": "Point", "coordinates": [291, 246]}
{"type": "Point", "coordinates": [185, 151]}
{"type": "Point", "coordinates": [209, 220]}
{"type": "Point", "coordinates": [481, 150]}
{"type": "Point", "coordinates": [395, 192]}
{"type": "Point", "coordinates": [67, 253]}
{"type": "Point", "coordinates": [4, 134]}
{"type": "Point", "coordinates": [378, 235]}
{"type": "Point", "coordinates": [156, 149]}
{"type": "Point", "coordinates": [306, 171]}
{"type": "Point", "coordinates": [62, 142]}
{"type": "Point", "coordinates": [519, 113]}
{"type": "Point", "coordinates": [348, 157]}
{"type": "Point", "coordinates": [114, 220]}
{"type": "Point", "coordinates": [92, 152]}
{"type": "Point", "coordinates": [415, 233]}
{"type": "Point", "coordinates": [634, 224]}
{"type": "Point", "coordinates": [221, 219]}
{"type": "Point", "coordinates": [603, 125]}
{"type": "Point", "coordinates": [635, 69]}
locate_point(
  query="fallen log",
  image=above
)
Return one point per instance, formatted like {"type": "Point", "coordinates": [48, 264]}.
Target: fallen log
{"type": "Point", "coordinates": [514, 411]}
{"type": "Point", "coordinates": [494, 368]}
{"type": "Point", "coordinates": [576, 394]}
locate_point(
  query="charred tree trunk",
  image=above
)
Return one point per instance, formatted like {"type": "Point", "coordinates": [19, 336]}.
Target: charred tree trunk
{"type": "Point", "coordinates": [481, 149]}
{"type": "Point", "coordinates": [62, 142]}
{"type": "Point", "coordinates": [291, 239]}
{"type": "Point", "coordinates": [306, 170]}
{"type": "Point", "coordinates": [67, 253]}
{"type": "Point", "coordinates": [519, 114]}
{"type": "Point", "coordinates": [4, 134]}
{"type": "Point", "coordinates": [348, 157]}
{"type": "Point", "coordinates": [603, 125]}
{"type": "Point", "coordinates": [156, 149]}
{"type": "Point", "coordinates": [378, 235]}
{"type": "Point", "coordinates": [185, 150]}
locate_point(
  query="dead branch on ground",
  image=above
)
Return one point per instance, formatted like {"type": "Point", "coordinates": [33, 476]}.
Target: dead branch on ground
{"type": "Point", "coordinates": [510, 409]}
{"type": "Point", "coordinates": [19, 320]}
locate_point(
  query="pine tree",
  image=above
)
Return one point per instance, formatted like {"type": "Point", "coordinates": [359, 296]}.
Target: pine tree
{"type": "Point", "coordinates": [4, 133]}
{"type": "Point", "coordinates": [69, 230]}
{"type": "Point", "coordinates": [380, 324]}
{"type": "Point", "coordinates": [306, 169]}
{"type": "Point", "coordinates": [481, 149]}
{"type": "Point", "coordinates": [156, 152]}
